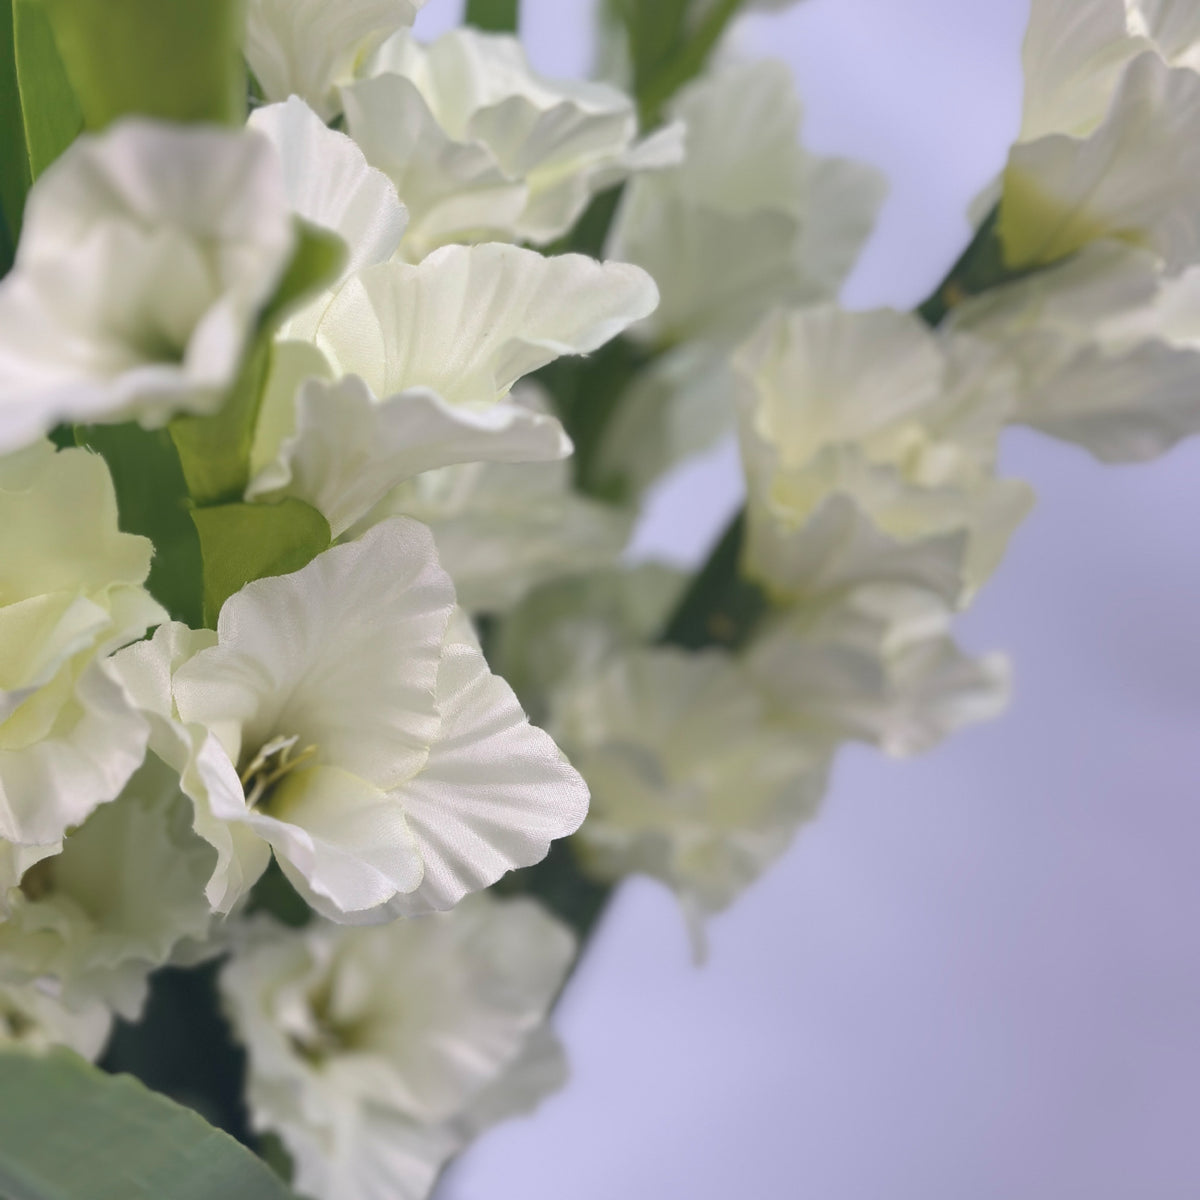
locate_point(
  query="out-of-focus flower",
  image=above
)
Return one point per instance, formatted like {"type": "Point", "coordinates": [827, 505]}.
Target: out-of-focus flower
{"type": "Point", "coordinates": [337, 722]}
{"type": "Point", "coordinates": [1110, 137]}
{"type": "Point", "coordinates": [873, 663]}
{"type": "Point", "coordinates": [123, 891]}
{"type": "Point", "coordinates": [375, 1053]}
{"type": "Point", "coordinates": [1107, 351]}
{"type": "Point", "coordinates": [70, 593]}
{"type": "Point", "coordinates": [307, 48]}
{"type": "Point", "coordinates": [691, 781]}
{"type": "Point", "coordinates": [874, 409]}
{"type": "Point", "coordinates": [32, 1018]}
{"type": "Point", "coordinates": [481, 148]}
{"type": "Point", "coordinates": [749, 220]}
{"type": "Point", "coordinates": [145, 257]}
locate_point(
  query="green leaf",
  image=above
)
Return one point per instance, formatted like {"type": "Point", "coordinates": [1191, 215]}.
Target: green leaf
{"type": "Point", "coordinates": [39, 115]}
{"type": "Point", "coordinates": [14, 159]}
{"type": "Point", "coordinates": [215, 450]}
{"type": "Point", "coordinates": [499, 16]}
{"type": "Point", "coordinates": [180, 60]}
{"type": "Point", "coordinates": [152, 500]}
{"type": "Point", "coordinates": [49, 108]}
{"type": "Point", "coordinates": [243, 542]}
{"type": "Point", "coordinates": [70, 1132]}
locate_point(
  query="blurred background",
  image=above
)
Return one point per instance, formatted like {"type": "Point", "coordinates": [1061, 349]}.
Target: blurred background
{"type": "Point", "coordinates": [977, 975]}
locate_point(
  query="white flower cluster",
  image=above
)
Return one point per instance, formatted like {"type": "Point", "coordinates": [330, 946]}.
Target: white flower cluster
{"type": "Point", "coordinates": [337, 724]}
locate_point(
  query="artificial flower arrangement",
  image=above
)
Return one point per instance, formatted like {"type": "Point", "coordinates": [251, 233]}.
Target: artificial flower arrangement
{"type": "Point", "coordinates": [334, 368]}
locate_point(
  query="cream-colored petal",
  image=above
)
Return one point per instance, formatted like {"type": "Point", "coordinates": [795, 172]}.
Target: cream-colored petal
{"type": "Point", "coordinates": [343, 654]}
{"type": "Point", "coordinates": [330, 183]}
{"type": "Point", "coordinates": [469, 321]}
{"type": "Point", "coordinates": [494, 794]}
{"type": "Point", "coordinates": [1134, 178]}
{"type": "Point", "coordinates": [307, 47]}
{"type": "Point", "coordinates": [350, 450]}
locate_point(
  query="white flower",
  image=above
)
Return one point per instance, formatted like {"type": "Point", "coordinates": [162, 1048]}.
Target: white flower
{"type": "Point", "coordinates": [422, 359]}
{"type": "Point", "coordinates": [502, 529]}
{"type": "Point", "coordinates": [307, 48]}
{"type": "Point", "coordinates": [375, 1053]}
{"type": "Point", "coordinates": [330, 184]}
{"type": "Point", "coordinates": [145, 257]}
{"type": "Point", "coordinates": [122, 891]}
{"type": "Point", "coordinates": [1107, 351]}
{"type": "Point", "coordinates": [874, 663]}
{"type": "Point", "coordinates": [875, 408]}
{"type": "Point", "coordinates": [481, 148]}
{"type": "Point", "coordinates": [70, 593]}
{"type": "Point", "coordinates": [691, 781]}
{"type": "Point", "coordinates": [32, 1018]}
{"type": "Point", "coordinates": [335, 722]}
{"type": "Point", "coordinates": [749, 220]}
{"type": "Point", "coordinates": [573, 626]}
{"type": "Point", "coordinates": [1108, 144]}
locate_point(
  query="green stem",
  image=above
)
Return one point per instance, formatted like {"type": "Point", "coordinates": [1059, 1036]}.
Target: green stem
{"type": "Point", "coordinates": [979, 268]}
{"type": "Point", "coordinates": [495, 16]}
{"type": "Point", "coordinates": [686, 63]}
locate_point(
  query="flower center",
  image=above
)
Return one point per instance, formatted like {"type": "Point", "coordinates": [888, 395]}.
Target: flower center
{"type": "Point", "coordinates": [326, 1035]}
{"type": "Point", "coordinates": [274, 760]}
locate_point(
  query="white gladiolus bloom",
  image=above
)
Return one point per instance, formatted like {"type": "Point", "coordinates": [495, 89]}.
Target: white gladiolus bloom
{"type": "Point", "coordinates": [422, 358]}
{"type": "Point", "coordinates": [375, 1054]}
{"type": "Point", "coordinates": [691, 782]}
{"type": "Point", "coordinates": [874, 664]}
{"type": "Point", "coordinates": [749, 220]}
{"type": "Point", "coordinates": [330, 184]}
{"type": "Point", "coordinates": [146, 255]}
{"type": "Point", "coordinates": [32, 1018]}
{"type": "Point", "coordinates": [336, 722]}
{"type": "Point", "coordinates": [1109, 143]}
{"type": "Point", "coordinates": [482, 148]}
{"type": "Point", "coordinates": [307, 48]}
{"type": "Point", "coordinates": [122, 891]}
{"type": "Point", "coordinates": [70, 593]}
{"type": "Point", "coordinates": [1107, 351]}
{"type": "Point", "coordinates": [502, 529]}
{"type": "Point", "coordinates": [874, 408]}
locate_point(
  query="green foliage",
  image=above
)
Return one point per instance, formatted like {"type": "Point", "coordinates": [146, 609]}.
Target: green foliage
{"type": "Point", "coordinates": [39, 115]}
{"type": "Point", "coordinates": [70, 1132]}
{"type": "Point", "coordinates": [152, 500]}
{"type": "Point", "coordinates": [499, 16]}
{"type": "Point", "coordinates": [586, 393]}
{"type": "Point", "coordinates": [670, 41]}
{"type": "Point", "coordinates": [180, 60]}
{"type": "Point", "coordinates": [183, 1047]}
{"type": "Point", "coordinates": [214, 451]}
{"type": "Point", "coordinates": [559, 883]}
{"type": "Point", "coordinates": [244, 542]}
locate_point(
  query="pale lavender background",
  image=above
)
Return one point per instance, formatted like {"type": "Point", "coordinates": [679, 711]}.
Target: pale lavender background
{"type": "Point", "coordinates": [977, 976]}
